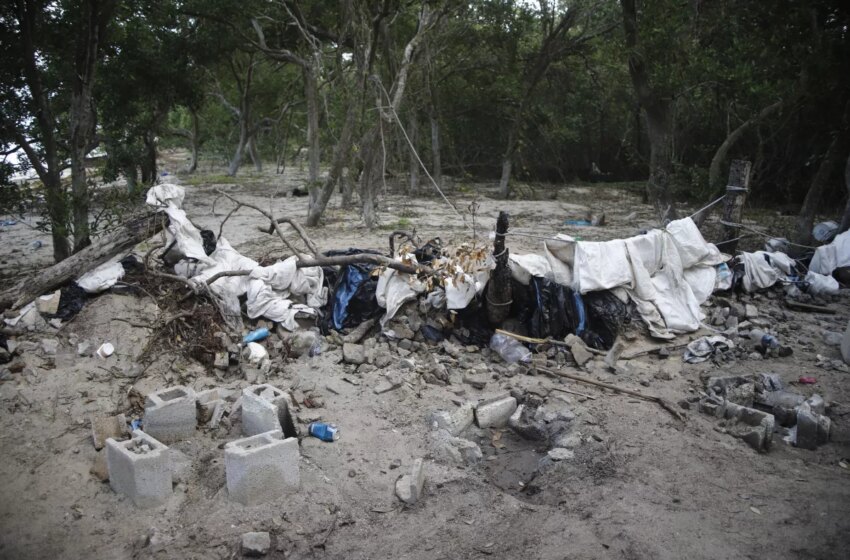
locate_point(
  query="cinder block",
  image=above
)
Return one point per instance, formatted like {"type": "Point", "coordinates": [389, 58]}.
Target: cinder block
{"type": "Point", "coordinates": [170, 414]}
{"type": "Point", "coordinates": [266, 408]}
{"type": "Point", "coordinates": [495, 412]}
{"type": "Point", "coordinates": [208, 403]}
{"type": "Point", "coordinates": [456, 421]}
{"type": "Point", "coordinates": [139, 468]}
{"type": "Point", "coordinates": [261, 467]}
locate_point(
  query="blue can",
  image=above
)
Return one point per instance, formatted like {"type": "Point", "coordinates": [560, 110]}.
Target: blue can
{"type": "Point", "coordinates": [323, 431]}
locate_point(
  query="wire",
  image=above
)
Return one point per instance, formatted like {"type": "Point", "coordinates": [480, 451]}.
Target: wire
{"type": "Point", "coordinates": [763, 234]}
{"type": "Point", "coordinates": [709, 205]}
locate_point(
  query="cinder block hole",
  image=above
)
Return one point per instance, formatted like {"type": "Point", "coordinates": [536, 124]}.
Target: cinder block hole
{"type": "Point", "coordinates": [172, 394]}
{"type": "Point", "coordinates": [260, 390]}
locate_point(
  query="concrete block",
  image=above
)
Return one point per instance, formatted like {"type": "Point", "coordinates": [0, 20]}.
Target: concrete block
{"type": "Point", "coordinates": [456, 421]}
{"type": "Point", "coordinates": [139, 468]}
{"type": "Point", "coordinates": [261, 467]}
{"type": "Point", "coordinates": [266, 408]}
{"type": "Point", "coordinates": [495, 412]}
{"type": "Point", "coordinates": [753, 426]}
{"type": "Point", "coordinates": [103, 427]}
{"type": "Point", "coordinates": [207, 403]}
{"type": "Point", "coordinates": [813, 429]}
{"type": "Point", "coordinates": [170, 414]}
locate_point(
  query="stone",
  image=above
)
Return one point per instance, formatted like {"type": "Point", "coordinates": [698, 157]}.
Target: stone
{"type": "Point", "coordinates": [813, 429]}
{"type": "Point", "coordinates": [495, 412]}
{"type": "Point", "coordinates": [85, 349]}
{"type": "Point", "coordinates": [49, 304]}
{"type": "Point", "coordinates": [408, 488]}
{"type": "Point", "coordinates": [389, 383]}
{"type": "Point", "coordinates": [261, 467]}
{"type": "Point", "coordinates": [560, 454]}
{"type": "Point", "coordinates": [266, 408]}
{"type": "Point", "coordinates": [614, 354]}
{"type": "Point", "coordinates": [568, 441]}
{"type": "Point", "coordinates": [478, 381]}
{"type": "Point", "coordinates": [301, 342]}
{"type": "Point", "coordinates": [206, 403]}
{"type": "Point", "coordinates": [105, 427]}
{"type": "Point", "coordinates": [170, 414]}
{"type": "Point", "coordinates": [353, 353]}
{"type": "Point", "coordinates": [407, 363]}
{"type": "Point", "coordinates": [737, 310]}
{"type": "Point", "coordinates": [449, 449]}
{"type": "Point", "coordinates": [382, 360]}
{"type": "Point", "coordinates": [454, 422]}
{"type": "Point", "coordinates": [256, 544]}
{"type": "Point", "coordinates": [99, 469]}
{"type": "Point", "coordinates": [49, 346]}
{"type": "Point", "coordinates": [832, 338]}
{"type": "Point", "coordinates": [222, 360]}
{"type": "Point", "coordinates": [751, 311]}
{"type": "Point", "coordinates": [523, 422]}
{"type": "Point", "coordinates": [140, 469]}
{"type": "Point", "coordinates": [581, 354]}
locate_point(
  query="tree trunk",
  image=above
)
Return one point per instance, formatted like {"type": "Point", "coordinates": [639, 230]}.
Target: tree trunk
{"type": "Point", "coordinates": [499, 289]}
{"type": "Point", "coordinates": [255, 154]}
{"type": "Point", "coordinates": [437, 166]}
{"type": "Point", "coordinates": [347, 187]}
{"type": "Point", "coordinates": [733, 205]}
{"type": "Point", "coordinates": [236, 161]}
{"type": "Point", "coordinates": [845, 219]}
{"type": "Point", "coordinates": [505, 179]}
{"type": "Point", "coordinates": [131, 175]}
{"type": "Point", "coordinates": [413, 133]}
{"type": "Point", "coordinates": [657, 111]}
{"type": "Point", "coordinates": [195, 142]}
{"type": "Point", "coordinates": [149, 161]}
{"type": "Point", "coordinates": [57, 211]}
{"type": "Point", "coordinates": [806, 218]}
{"type": "Point", "coordinates": [368, 179]}
{"type": "Point", "coordinates": [311, 92]}
{"type": "Point", "coordinates": [123, 239]}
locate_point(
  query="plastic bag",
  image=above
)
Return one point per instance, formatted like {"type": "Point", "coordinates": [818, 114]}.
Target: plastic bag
{"type": "Point", "coordinates": [820, 285]}
{"type": "Point", "coordinates": [510, 349]}
{"type": "Point", "coordinates": [352, 293]}
{"type": "Point", "coordinates": [606, 316]}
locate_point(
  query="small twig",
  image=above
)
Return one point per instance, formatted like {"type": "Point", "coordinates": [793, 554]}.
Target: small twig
{"type": "Point", "coordinates": [274, 223]}
{"type": "Point", "coordinates": [653, 351]}
{"type": "Point", "coordinates": [562, 390]}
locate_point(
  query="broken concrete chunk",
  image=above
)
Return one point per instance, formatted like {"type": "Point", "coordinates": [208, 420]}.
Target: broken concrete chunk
{"type": "Point", "coordinates": [456, 421]}
{"type": "Point", "coordinates": [353, 353]}
{"type": "Point", "coordinates": [449, 449]}
{"type": "Point", "coordinates": [104, 427]}
{"type": "Point", "coordinates": [581, 354]}
{"type": "Point", "coordinates": [751, 311]}
{"type": "Point", "coordinates": [222, 360]}
{"type": "Point", "coordinates": [99, 470]}
{"type": "Point", "coordinates": [49, 304]}
{"type": "Point", "coordinates": [560, 454]}
{"type": "Point", "coordinates": [85, 349]}
{"type": "Point", "coordinates": [408, 488]}
{"type": "Point", "coordinates": [256, 544]}
{"type": "Point", "coordinates": [49, 346]}
{"type": "Point", "coordinates": [495, 412]}
{"type": "Point", "coordinates": [614, 354]}
{"type": "Point", "coordinates": [478, 381]}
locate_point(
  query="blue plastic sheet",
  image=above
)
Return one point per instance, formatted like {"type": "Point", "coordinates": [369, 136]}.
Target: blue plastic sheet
{"type": "Point", "coordinates": [350, 281]}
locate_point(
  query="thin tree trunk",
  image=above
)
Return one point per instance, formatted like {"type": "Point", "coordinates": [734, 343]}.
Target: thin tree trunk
{"type": "Point", "coordinates": [437, 166]}
{"type": "Point", "coordinates": [149, 161]}
{"type": "Point", "coordinates": [311, 91]}
{"type": "Point", "coordinates": [413, 133]}
{"type": "Point", "coordinates": [195, 141]}
{"type": "Point", "coordinates": [845, 219]}
{"type": "Point", "coordinates": [255, 154]}
{"type": "Point", "coordinates": [131, 175]}
{"type": "Point", "coordinates": [347, 187]}
{"type": "Point", "coordinates": [236, 161]}
{"type": "Point", "coordinates": [806, 218]}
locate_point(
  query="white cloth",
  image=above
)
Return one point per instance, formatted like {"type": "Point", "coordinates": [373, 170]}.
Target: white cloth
{"type": "Point", "coordinates": [759, 273]}
{"type": "Point", "coordinates": [835, 255]}
{"type": "Point", "coordinates": [101, 278]}
{"type": "Point", "coordinates": [524, 267]}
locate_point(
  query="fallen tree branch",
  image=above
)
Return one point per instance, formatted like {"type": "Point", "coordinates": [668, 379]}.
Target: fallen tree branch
{"type": "Point", "coordinates": [123, 238]}
{"type": "Point", "coordinates": [658, 400]}
{"type": "Point", "coordinates": [297, 227]}
{"type": "Point", "coordinates": [791, 304]}
{"type": "Point", "coordinates": [653, 351]}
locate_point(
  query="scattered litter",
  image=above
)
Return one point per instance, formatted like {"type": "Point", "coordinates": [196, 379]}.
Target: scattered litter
{"type": "Point", "coordinates": [510, 349]}
{"type": "Point", "coordinates": [825, 231]}
{"type": "Point", "coordinates": [324, 431]}
{"type": "Point", "coordinates": [705, 347]}
{"type": "Point", "coordinates": [255, 353]}
{"type": "Point", "coordinates": [807, 380]}
{"type": "Point", "coordinates": [256, 335]}
{"type": "Point", "coordinates": [106, 349]}
{"type": "Point", "coordinates": [8, 222]}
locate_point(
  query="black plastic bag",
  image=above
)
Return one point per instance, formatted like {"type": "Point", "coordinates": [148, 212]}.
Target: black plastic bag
{"type": "Point", "coordinates": [351, 293]}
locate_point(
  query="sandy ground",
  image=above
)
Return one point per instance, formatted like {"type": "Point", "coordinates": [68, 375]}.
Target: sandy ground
{"type": "Point", "coordinates": [642, 485]}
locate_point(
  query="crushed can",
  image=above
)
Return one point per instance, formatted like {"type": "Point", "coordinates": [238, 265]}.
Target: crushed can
{"type": "Point", "coordinates": [323, 431]}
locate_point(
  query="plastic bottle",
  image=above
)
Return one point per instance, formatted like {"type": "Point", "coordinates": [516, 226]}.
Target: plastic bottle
{"type": "Point", "coordinates": [323, 431]}
{"type": "Point", "coordinates": [766, 340]}
{"type": "Point", "coordinates": [510, 349]}
{"type": "Point", "coordinates": [256, 335]}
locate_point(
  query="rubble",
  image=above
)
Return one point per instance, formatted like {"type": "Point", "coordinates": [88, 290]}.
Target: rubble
{"type": "Point", "coordinates": [256, 544]}
{"type": "Point", "coordinates": [408, 487]}
{"type": "Point", "coordinates": [454, 422]}
{"type": "Point", "coordinates": [450, 449]}
{"type": "Point", "coordinates": [353, 353]}
{"type": "Point", "coordinates": [495, 412]}
{"type": "Point", "coordinates": [266, 408]}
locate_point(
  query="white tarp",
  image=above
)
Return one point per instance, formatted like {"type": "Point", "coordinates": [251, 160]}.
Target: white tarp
{"type": "Point", "coordinates": [269, 290]}
{"type": "Point", "coordinates": [835, 255]}
{"type": "Point", "coordinates": [758, 272]}
{"type": "Point", "coordinates": [523, 267]}
{"type": "Point", "coordinates": [666, 273]}
{"type": "Point", "coordinates": [101, 278]}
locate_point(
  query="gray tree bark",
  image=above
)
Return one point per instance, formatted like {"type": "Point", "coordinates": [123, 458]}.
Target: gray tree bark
{"type": "Point", "coordinates": [413, 133]}
{"type": "Point", "coordinates": [845, 219]}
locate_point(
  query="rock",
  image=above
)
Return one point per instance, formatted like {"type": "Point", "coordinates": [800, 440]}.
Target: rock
{"type": "Point", "coordinates": [407, 363]}
{"type": "Point", "coordinates": [560, 454]}
{"type": "Point", "coordinates": [388, 384]}
{"type": "Point", "coordinates": [568, 441]}
{"type": "Point", "coordinates": [581, 354]}
{"type": "Point", "coordinates": [479, 381]}
{"type": "Point", "coordinates": [454, 422]}
{"type": "Point", "coordinates": [49, 346]}
{"type": "Point", "coordinates": [845, 345]}
{"type": "Point", "coordinates": [301, 341]}
{"type": "Point", "coordinates": [99, 469]}
{"type": "Point", "coordinates": [751, 311]}
{"type": "Point", "coordinates": [104, 427]}
{"type": "Point", "coordinates": [222, 360]}
{"type": "Point", "coordinates": [447, 448]}
{"type": "Point", "coordinates": [737, 310]}
{"type": "Point", "coordinates": [256, 544]}
{"type": "Point", "coordinates": [48, 304]}
{"type": "Point", "coordinates": [353, 353]}
{"type": "Point", "coordinates": [832, 338]}
{"type": "Point", "coordinates": [495, 412]}
{"type": "Point", "coordinates": [614, 354]}
{"type": "Point", "coordinates": [523, 423]}
{"type": "Point", "coordinates": [408, 488]}
{"type": "Point", "coordinates": [403, 332]}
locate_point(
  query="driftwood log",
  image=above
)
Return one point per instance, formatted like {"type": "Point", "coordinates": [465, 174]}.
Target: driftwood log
{"type": "Point", "coordinates": [122, 239]}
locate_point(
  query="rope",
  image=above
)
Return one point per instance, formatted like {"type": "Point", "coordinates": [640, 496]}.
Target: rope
{"type": "Point", "coordinates": [763, 234]}
{"type": "Point", "coordinates": [415, 153]}
{"type": "Point", "coordinates": [709, 205]}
